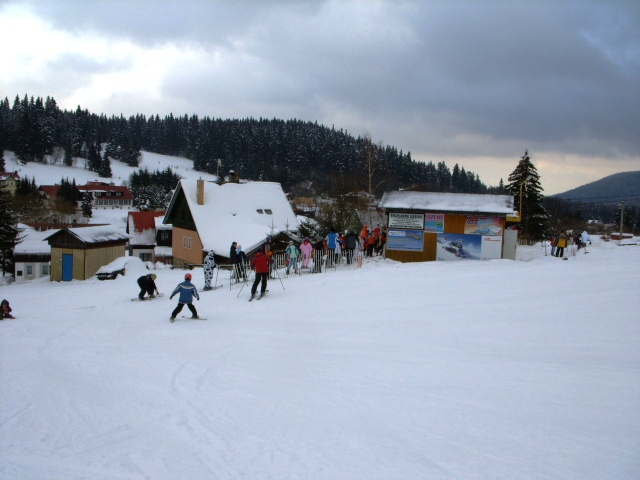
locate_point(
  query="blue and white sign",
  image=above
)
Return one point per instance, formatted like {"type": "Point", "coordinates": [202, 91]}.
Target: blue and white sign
{"type": "Point", "coordinates": [407, 240]}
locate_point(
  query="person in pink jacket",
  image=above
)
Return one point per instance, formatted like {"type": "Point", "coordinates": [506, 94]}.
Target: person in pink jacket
{"type": "Point", "coordinates": [307, 252]}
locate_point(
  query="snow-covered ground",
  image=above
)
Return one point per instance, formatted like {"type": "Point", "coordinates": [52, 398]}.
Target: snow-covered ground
{"type": "Point", "coordinates": [443, 370]}
{"type": "Point", "coordinates": [50, 174]}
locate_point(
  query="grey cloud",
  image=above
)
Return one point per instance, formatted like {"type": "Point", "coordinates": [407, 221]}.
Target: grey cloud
{"type": "Point", "coordinates": [558, 75]}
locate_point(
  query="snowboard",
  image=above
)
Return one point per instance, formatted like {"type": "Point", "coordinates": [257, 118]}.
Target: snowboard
{"type": "Point", "coordinates": [189, 318]}
{"type": "Point", "coordinates": [137, 299]}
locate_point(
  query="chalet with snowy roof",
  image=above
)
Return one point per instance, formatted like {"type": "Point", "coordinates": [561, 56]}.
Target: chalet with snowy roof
{"type": "Point", "coordinates": [427, 226]}
{"type": "Point", "coordinates": [141, 227]}
{"type": "Point", "coordinates": [163, 251]}
{"type": "Point", "coordinates": [106, 195]}
{"type": "Point", "coordinates": [207, 216]}
{"type": "Point", "coordinates": [32, 255]}
{"type": "Point", "coordinates": [8, 181]}
{"type": "Point", "coordinates": [77, 253]}
{"type": "Point", "coordinates": [50, 192]}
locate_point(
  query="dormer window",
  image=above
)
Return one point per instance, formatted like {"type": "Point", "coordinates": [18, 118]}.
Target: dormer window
{"type": "Point", "coordinates": [268, 211]}
{"type": "Point", "coordinates": [259, 210]}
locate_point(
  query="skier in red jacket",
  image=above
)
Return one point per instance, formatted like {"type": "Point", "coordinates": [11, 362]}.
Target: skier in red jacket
{"type": "Point", "coordinates": [260, 264]}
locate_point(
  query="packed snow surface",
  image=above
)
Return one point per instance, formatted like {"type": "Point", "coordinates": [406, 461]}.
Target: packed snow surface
{"type": "Point", "coordinates": [442, 370]}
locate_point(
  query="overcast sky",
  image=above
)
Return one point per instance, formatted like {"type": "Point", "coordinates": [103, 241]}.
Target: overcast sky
{"type": "Point", "coordinates": [468, 82]}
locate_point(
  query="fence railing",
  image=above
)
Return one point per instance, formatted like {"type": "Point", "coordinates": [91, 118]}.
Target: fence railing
{"type": "Point", "coordinates": [282, 268]}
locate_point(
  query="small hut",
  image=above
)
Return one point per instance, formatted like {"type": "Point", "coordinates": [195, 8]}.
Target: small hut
{"type": "Point", "coordinates": [78, 253]}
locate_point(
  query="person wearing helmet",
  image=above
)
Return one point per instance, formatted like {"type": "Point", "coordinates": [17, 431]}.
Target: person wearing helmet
{"type": "Point", "coordinates": [187, 291]}
{"type": "Point", "coordinates": [147, 284]}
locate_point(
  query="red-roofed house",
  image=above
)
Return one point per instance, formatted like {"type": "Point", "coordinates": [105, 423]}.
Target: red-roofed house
{"type": "Point", "coordinates": [146, 238]}
{"type": "Point", "coordinates": [106, 195]}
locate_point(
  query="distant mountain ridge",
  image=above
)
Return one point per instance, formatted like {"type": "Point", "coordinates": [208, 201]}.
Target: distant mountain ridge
{"type": "Point", "coordinates": [624, 186]}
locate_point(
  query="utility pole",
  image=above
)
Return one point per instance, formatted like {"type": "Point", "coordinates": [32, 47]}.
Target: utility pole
{"type": "Point", "coordinates": [621, 219]}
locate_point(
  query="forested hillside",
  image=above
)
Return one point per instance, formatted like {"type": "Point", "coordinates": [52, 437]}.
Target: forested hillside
{"type": "Point", "coordinates": [285, 151]}
{"type": "Point", "coordinates": [624, 186]}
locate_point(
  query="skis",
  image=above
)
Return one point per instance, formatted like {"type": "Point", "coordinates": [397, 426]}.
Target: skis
{"type": "Point", "coordinates": [211, 288]}
{"type": "Point", "coordinates": [253, 297]}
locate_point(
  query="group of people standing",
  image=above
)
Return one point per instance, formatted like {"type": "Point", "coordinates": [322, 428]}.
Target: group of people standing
{"type": "Point", "coordinates": [373, 241]}
{"type": "Point", "coordinates": [561, 241]}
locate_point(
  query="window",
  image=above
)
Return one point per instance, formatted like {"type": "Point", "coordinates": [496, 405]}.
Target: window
{"type": "Point", "coordinates": [45, 269]}
{"type": "Point", "coordinates": [145, 257]}
{"type": "Point", "coordinates": [29, 270]}
{"type": "Point", "coordinates": [189, 242]}
{"type": "Point", "coordinates": [184, 241]}
{"type": "Point", "coordinates": [19, 273]}
{"type": "Point", "coordinates": [259, 211]}
{"type": "Point", "coordinates": [268, 211]}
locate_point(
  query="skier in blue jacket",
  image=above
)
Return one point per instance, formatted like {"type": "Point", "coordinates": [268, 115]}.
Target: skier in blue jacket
{"type": "Point", "coordinates": [187, 291]}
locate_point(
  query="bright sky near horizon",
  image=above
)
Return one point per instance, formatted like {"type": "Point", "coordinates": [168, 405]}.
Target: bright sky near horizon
{"type": "Point", "coordinates": [473, 83]}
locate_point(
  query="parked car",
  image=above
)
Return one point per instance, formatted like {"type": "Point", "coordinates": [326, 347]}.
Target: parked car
{"type": "Point", "coordinates": [119, 267]}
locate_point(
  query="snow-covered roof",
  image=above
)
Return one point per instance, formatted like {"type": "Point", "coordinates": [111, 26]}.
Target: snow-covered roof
{"type": "Point", "coordinates": [160, 225]}
{"type": "Point", "coordinates": [448, 202]}
{"type": "Point", "coordinates": [141, 227]}
{"type": "Point", "coordinates": [105, 233]}
{"type": "Point", "coordinates": [32, 243]}
{"type": "Point", "coordinates": [238, 212]}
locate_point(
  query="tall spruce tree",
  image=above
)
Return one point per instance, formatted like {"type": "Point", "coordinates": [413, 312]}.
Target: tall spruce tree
{"type": "Point", "coordinates": [534, 218]}
{"type": "Point", "coordinates": [9, 234]}
{"type": "Point", "coordinates": [87, 209]}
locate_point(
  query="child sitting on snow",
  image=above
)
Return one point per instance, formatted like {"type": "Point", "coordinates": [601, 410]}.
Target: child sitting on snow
{"type": "Point", "coordinates": [5, 310]}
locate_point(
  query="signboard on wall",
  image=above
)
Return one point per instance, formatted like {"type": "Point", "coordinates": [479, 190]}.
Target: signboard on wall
{"type": "Point", "coordinates": [406, 220]}
{"type": "Point", "coordinates": [406, 240]}
{"type": "Point", "coordinates": [491, 247]}
{"type": "Point", "coordinates": [455, 247]}
{"type": "Point", "coordinates": [434, 222]}
{"type": "Point", "coordinates": [483, 226]}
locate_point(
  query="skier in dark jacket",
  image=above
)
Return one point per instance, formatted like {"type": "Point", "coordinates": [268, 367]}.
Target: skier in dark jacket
{"type": "Point", "coordinates": [234, 258]}
{"type": "Point", "coordinates": [5, 310]}
{"type": "Point", "coordinates": [352, 243]}
{"type": "Point", "coordinates": [260, 264]}
{"type": "Point", "coordinates": [187, 291]}
{"type": "Point", "coordinates": [147, 284]}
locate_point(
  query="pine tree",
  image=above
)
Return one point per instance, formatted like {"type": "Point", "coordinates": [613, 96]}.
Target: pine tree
{"type": "Point", "coordinates": [534, 218]}
{"type": "Point", "coordinates": [9, 234]}
{"type": "Point", "coordinates": [105, 167]}
{"type": "Point", "coordinates": [87, 209]}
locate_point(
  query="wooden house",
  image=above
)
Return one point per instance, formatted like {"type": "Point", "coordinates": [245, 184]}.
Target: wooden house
{"type": "Point", "coordinates": [207, 216]}
{"type": "Point", "coordinates": [78, 253]}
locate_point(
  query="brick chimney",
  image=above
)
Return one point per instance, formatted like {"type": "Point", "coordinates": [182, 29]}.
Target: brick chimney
{"type": "Point", "coordinates": [200, 192]}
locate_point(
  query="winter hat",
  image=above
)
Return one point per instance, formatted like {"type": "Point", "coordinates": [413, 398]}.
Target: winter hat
{"type": "Point", "coordinates": [290, 242]}
{"type": "Point", "coordinates": [239, 248]}
{"type": "Point", "coordinates": [153, 276]}
{"type": "Point", "coordinates": [306, 239]}
{"type": "Point", "coordinates": [187, 276]}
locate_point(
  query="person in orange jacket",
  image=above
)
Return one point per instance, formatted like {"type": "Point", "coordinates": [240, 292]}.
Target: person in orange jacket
{"type": "Point", "coordinates": [364, 235]}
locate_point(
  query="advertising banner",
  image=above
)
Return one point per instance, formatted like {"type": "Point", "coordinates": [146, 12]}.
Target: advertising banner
{"type": "Point", "coordinates": [434, 222]}
{"type": "Point", "coordinates": [454, 247]}
{"type": "Point", "coordinates": [491, 247]}
{"type": "Point", "coordinates": [406, 220]}
{"type": "Point", "coordinates": [483, 226]}
{"type": "Point", "coordinates": [407, 240]}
